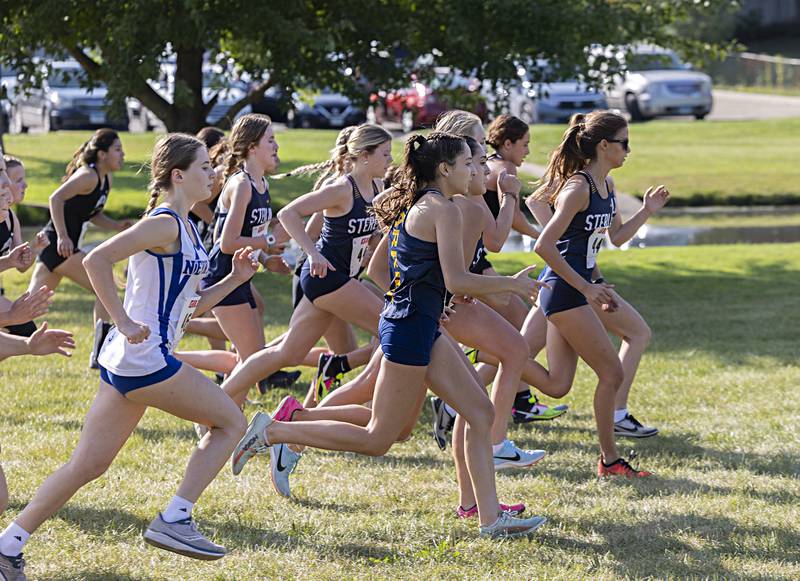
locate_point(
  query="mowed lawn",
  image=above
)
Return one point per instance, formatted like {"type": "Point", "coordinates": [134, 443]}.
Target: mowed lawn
{"type": "Point", "coordinates": [717, 162]}
{"type": "Point", "coordinates": [720, 380]}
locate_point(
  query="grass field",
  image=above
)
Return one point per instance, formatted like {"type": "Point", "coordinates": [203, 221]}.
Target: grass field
{"type": "Point", "coordinates": [720, 380]}
{"type": "Point", "coordinates": [703, 163]}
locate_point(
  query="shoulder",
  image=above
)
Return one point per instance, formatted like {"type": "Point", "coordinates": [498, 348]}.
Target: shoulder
{"type": "Point", "coordinates": [163, 226]}
{"type": "Point", "coordinates": [574, 194]}
{"type": "Point", "coordinates": [468, 208]}
{"type": "Point", "coordinates": [496, 164]}
{"type": "Point", "coordinates": [611, 183]}
{"type": "Point", "coordinates": [239, 186]}
{"type": "Point", "coordinates": [84, 180]}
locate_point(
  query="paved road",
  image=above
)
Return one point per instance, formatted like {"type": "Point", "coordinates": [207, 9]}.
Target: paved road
{"type": "Point", "coordinates": [730, 105]}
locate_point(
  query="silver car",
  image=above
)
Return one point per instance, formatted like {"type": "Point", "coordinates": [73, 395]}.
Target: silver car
{"type": "Point", "coordinates": [658, 84]}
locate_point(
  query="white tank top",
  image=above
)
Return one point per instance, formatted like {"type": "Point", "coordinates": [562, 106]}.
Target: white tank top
{"type": "Point", "coordinates": [161, 293]}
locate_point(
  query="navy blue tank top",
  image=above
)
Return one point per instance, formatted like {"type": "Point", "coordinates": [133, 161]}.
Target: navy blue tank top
{"type": "Point", "coordinates": [344, 240]}
{"type": "Point", "coordinates": [416, 279]}
{"type": "Point", "coordinates": [257, 217]}
{"type": "Point", "coordinates": [7, 234]}
{"type": "Point", "coordinates": [583, 238]}
{"type": "Point", "coordinates": [78, 210]}
{"type": "Point", "coordinates": [480, 254]}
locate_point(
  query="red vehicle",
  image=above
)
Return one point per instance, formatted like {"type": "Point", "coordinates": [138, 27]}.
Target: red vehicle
{"type": "Point", "coordinates": [420, 105]}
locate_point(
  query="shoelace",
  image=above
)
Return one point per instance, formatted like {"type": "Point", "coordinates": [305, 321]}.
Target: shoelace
{"type": "Point", "coordinates": [17, 562]}
{"type": "Point", "coordinates": [634, 421]}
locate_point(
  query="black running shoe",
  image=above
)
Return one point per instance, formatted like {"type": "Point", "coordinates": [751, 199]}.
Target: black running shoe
{"type": "Point", "coordinates": [280, 379]}
{"type": "Point", "coordinates": [443, 422]}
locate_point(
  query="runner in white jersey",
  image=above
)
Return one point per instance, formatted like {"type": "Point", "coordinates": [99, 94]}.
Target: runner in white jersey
{"type": "Point", "coordinates": [166, 264]}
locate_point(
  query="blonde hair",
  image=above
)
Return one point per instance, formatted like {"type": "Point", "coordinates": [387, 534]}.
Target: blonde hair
{"type": "Point", "coordinates": [247, 132]}
{"type": "Point", "coordinates": [458, 122]}
{"type": "Point", "coordinates": [173, 151]}
{"type": "Point", "coordinates": [350, 143]}
{"type": "Point", "coordinates": [577, 148]}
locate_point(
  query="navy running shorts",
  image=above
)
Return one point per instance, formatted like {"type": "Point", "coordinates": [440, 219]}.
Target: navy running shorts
{"type": "Point", "coordinates": [241, 295]}
{"type": "Point", "coordinates": [125, 384]}
{"type": "Point", "coordinates": [314, 287]}
{"type": "Point", "coordinates": [409, 341]}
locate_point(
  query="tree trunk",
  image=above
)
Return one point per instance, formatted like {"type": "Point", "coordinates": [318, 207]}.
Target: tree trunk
{"type": "Point", "coordinates": [188, 112]}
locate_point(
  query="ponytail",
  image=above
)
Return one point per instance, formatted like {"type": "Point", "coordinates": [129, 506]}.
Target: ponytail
{"type": "Point", "coordinates": [86, 154]}
{"type": "Point", "coordinates": [173, 151]}
{"type": "Point", "coordinates": [577, 148]}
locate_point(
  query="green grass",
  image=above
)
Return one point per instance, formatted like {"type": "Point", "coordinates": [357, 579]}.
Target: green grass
{"type": "Point", "coordinates": [704, 163]}
{"type": "Point", "coordinates": [720, 380]}
{"type": "Point", "coordinates": [782, 91]}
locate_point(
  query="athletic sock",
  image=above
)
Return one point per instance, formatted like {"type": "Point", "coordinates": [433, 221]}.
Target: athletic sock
{"type": "Point", "coordinates": [619, 415]}
{"type": "Point", "coordinates": [13, 539]}
{"type": "Point", "coordinates": [523, 399]}
{"type": "Point", "coordinates": [178, 509]}
{"type": "Point", "coordinates": [450, 410]}
{"type": "Point", "coordinates": [497, 447]}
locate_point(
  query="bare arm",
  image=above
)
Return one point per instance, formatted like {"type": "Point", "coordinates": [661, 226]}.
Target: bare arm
{"type": "Point", "coordinates": [496, 232]}
{"type": "Point", "coordinates": [104, 221]}
{"type": "Point", "coordinates": [231, 238]}
{"type": "Point", "coordinates": [654, 199]}
{"type": "Point", "coordinates": [378, 269]}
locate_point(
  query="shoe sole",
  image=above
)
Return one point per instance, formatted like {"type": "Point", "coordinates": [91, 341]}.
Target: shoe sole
{"type": "Point", "coordinates": [523, 533]}
{"type": "Point", "coordinates": [508, 465]}
{"type": "Point", "coordinates": [237, 461]}
{"type": "Point", "coordinates": [278, 409]}
{"type": "Point", "coordinates": [528, 420]}
{"type": "Point", "coordinates": [635, 435]}
{"type": "Point", "coordinates": [167, 543]}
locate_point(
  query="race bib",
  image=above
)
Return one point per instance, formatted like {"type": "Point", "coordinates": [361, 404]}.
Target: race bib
{"type": "Point", "coordinates": [360, 247]}
{"type": "Point", "coordinates": [189, 307]}
{"type": "Point", "coordinates": [260, 230]}
{"type": "Point", "coordinates": [594, 245]}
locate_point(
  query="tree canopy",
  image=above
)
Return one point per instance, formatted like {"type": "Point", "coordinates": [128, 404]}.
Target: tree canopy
{"type": "Point", "coordinates": [340, 44]}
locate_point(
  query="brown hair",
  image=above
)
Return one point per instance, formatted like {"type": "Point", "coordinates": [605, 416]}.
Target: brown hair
{"type": "Point", "coordinates": [210, 136]}
{"type": "Point", "coordinates": [505, 127]}
{"type": "Point", "coordinates": [458, 122]}
{"type": "Point", "coordinates": [422, 156]}
{"type": "Point", "coordinates": [11, 161]}
{"type": "Point", "coordinates": [218, 152]}
{"type": "Point", "coordinates": [577, 148]}
{"type": "Point", "coordinates": [247, 132]}
{"type": "Point", "coordinates": [86, 154]}
{"type": "Point", "coordinates": [173, 151]}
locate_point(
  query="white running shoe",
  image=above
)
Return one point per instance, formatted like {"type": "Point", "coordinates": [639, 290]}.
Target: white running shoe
{"type": "Point", "coordinates": [510, 526]}
{"type": "Point", "coordinates": [182, 537]}
{"type": "Point", "coordinates": [509, 456]}
{"type": "Point", "coordinates": [12, 568]}
{"type": "Point", "coordinates": [253, 442]}
{"type": "Point", "coordinates": [632, 428]}
{"type": "Point", "coordinates": [282, 462]}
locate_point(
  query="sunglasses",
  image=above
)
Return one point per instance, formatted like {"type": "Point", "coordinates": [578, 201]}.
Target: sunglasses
{"type": "Point", "coordinates": [623, 142]}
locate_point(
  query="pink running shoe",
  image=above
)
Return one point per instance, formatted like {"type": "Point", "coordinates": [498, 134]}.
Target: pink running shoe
{"type": "Point", "coordinates": [286, 409]}
{"type": "Point", "coordinates": [512, 509]}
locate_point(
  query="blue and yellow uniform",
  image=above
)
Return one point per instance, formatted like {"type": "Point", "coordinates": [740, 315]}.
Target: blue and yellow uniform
{"type": "Point", "coordinates": [257, 218]}
{"type": "Point", "coordinates": [409, 323]}
{"type": "Point", "coordinates": [579, 246]}
{"type": "Point", "coordinates": [343, 242]}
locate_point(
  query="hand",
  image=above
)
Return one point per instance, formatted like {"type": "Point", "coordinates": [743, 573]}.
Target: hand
{"type": "Point", "coordinates": [655, 198]}
{"type": "Point", "coordinates": [39, 243]}
{"type": "Point", "coordinates": [29, 306]}
{"type": "Point", "coordinates": [508, 184]}
{"type": "Point", "coordinates": [46, 341]}
{"type": "Point", "coordinates": [277, 248]}
{"type": "Point", "coordinates": [526, 287]}
{"type": "Point", "coordinates": [133, 331]}
{"type": "Point", "coordinates": [20, 257]}
{"type": "Point", "coordinates": [277, 265]}
{"type": "Point", "coordinates": [319, 265]}
{"type": "Point", "coordinates": [462, 300]}
{"type": "Point", "coordinates": [600, 293]}
{"type": "Point", "coordinates": [245, 264]}
{"type": "Point", "coordinates": [613, 305]}
{"type": "Point", "coordinates": [65, 247]}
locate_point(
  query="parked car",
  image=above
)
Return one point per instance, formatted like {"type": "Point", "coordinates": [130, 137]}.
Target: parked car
{"type": "Point", "coordinates": [538, 102]}
{"type": "Point", "coordinates": [8, 86]}
{"type": "Point", "coordinates": [62, 103]}
{"type": "Point", "coordinates": [324, 110]}
{"type": "Point", "coordinates": [420, 104]}
{"type": "Point", "coordinates": [658, 84]}
{"type": "Point", "coordinates": [274, 104]}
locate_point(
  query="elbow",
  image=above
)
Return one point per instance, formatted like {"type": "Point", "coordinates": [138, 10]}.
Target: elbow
{"type": "Point", "coordinates": [90, 261]}
{"type": "Point", "coordinates": [492, 245]}
{"type": "Point", "coordinates": [228, 246]}
{"type": "Point", "coordinates": [540, 247]}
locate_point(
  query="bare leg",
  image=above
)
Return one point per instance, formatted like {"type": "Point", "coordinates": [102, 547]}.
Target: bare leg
{"type": "Point", "coordinates": [242, 325]}
{"type": "Point", "coordinates": [207, 327]}
{"type": "Point", "coordinates": [217, 361]}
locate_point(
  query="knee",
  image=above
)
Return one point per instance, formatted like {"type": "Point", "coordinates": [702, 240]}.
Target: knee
{"type": "Point", "coordinates": [481, 416]}
{"type": "Point", "coordinates": [377, 444]}
{"type": "Point", "coordinates": [515, 353]}
{"type": "Point", "coordinates": [238, 424]}
{"type": "Point", "coordinates": [641, 336]}
{"type": "Point", "coordinates": [560, 389]}
{"type": "Point", "coordinates": [612, 375]}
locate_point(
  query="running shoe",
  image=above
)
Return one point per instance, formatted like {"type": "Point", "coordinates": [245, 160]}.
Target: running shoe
{"type": "Point", "coordinates": [512, 509]}
{"type": "Point", "coordinates": [200, 430]}
{"type": "Point", "coordinates": [534, 411]}
{"type": "Point", "coordinates": [632, 428]}
{"type": "Point", "coordinates": [286, 409]}
{"type": "Point", "coordinates": [509, 456]}
{"type": "Point", "coordinates": [620, 467]}
{"type": "Point", "coordinates": [12, 568]}
{"type": "Point", "coordinates": [253, 442]}
{"type": "Point", "coordinates": [471, 353]}
{"type": "Point", "coordinates": [329, 374]}
{"type": "Point", "coordinates": [182, 537]}
{"type": "Point", "coordinates": [280, 379]}
{"type": "Point", "coordinates": [219, 378]}
{"type": "Point", "coordinates": [510, 526]}
{"type": "Point", "coordinates": [100, 332]}
{"type": "Point", "coordinates": [443, 422]}
{"type": "Point", "coordinates": [282, 462]}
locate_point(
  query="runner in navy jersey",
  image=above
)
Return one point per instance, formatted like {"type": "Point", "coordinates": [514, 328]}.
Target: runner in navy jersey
{"type": "Point", "coordinates": [329, 278]}
{"type": "Point", "coordinates": [78, 201]}
{"type": "Point", "coordinates": [584, 216]}
{"type": "Point", "coordinates": [426, 256]}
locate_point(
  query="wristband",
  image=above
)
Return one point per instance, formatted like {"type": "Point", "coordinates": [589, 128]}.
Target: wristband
{"type": "Point", "coordinates": [598, 280]}
{"type": "Point", "coordinates": [270, 238]}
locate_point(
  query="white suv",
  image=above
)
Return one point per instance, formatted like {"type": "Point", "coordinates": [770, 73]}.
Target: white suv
{"type": "Point", "coordinates": [658, 84]}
